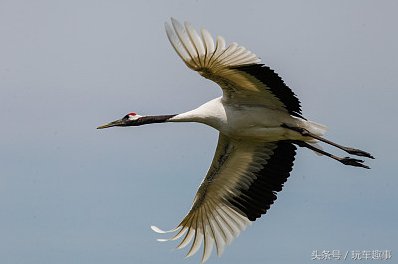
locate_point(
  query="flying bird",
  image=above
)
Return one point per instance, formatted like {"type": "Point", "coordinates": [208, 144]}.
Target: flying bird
{"type": "Point", "coordinates": [260, 125]}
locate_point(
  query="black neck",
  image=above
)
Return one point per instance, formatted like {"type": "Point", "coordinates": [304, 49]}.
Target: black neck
{"type": "Point", "coordinates": [153, 119]}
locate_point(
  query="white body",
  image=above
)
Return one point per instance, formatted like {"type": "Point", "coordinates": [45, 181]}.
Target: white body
{"type": "Point", "coordinates": [248, 121]}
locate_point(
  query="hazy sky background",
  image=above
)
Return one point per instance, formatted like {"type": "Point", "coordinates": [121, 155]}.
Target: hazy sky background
{"type": "Point", "coordinates": [72, 194]}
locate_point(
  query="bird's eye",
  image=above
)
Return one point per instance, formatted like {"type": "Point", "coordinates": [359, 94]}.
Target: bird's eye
{"type": "Point", "coordinates": [126, 117]}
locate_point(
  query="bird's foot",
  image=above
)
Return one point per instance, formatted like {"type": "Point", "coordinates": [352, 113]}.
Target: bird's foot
{"type": "Point", "coordinates": [353, 162]}
{"type": "Point", "coordinates": [358, 152]}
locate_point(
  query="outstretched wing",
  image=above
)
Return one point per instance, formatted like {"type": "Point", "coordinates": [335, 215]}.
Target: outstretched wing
{"type": "Point", "coordinates": [237, 70]}
{"type": "Point", "coordinates": [239, 187]}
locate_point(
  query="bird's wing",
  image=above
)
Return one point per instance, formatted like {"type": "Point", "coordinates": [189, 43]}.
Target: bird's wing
{"type": "Point", "coordinates": [237, 70]}
{"type": "Point", "coordinates": [239, 187]}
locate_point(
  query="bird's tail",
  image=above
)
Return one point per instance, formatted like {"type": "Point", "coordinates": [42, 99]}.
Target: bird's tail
{"type": "Point", "coordinates": [316, 128]}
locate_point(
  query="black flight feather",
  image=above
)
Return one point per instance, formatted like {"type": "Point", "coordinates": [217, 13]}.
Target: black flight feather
{"type": "Point", "coordinates": [261, 194]}
{"type": "Point", "coordinates": [275, 84]}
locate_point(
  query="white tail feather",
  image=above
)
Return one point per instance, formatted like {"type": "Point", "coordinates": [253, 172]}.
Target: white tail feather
{"type": "Point", "coordinates": [316, 128]}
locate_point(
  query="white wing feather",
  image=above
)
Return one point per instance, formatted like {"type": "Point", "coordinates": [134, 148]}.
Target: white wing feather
{"type": "Point", "coordinates": [212, 220]}
{"type": "Point", "coordinates": [196, 40]}
{"type": "Point", "coordinates": [201, 51]}
{"type": "Point", "coordinates": [209, 45]}
{"type": "Point", "coordinates": [176, 43]}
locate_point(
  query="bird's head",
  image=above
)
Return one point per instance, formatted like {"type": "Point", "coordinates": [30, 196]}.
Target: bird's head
{"type": "Point", "coordinates": [131, 119]}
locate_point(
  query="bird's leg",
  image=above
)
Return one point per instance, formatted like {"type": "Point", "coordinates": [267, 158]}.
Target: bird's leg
{"type": "Point", "coordinates": [352, 151]}
{"type": "Point", "coordinates": [345, 160]}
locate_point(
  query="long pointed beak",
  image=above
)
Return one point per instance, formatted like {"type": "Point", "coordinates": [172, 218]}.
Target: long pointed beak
{"type": "Point", "coordinates": [119, 122]}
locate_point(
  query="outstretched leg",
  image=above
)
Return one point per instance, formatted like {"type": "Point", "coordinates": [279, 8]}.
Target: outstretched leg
{"type": "Point", "coordinates": [306, 133]}
{"type": "Point", "coordinates": [345, 160]}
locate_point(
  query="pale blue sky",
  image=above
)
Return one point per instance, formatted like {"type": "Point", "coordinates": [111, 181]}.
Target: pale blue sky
{"type": "Point", "coordinates": [72, 194]}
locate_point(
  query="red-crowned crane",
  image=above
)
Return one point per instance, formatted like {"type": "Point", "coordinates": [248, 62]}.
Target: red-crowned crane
{"type": "Point", "coordinates": [260, 123]}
